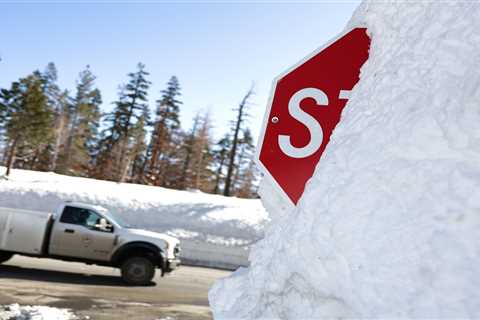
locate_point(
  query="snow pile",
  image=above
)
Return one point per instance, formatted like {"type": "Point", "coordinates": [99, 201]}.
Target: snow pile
{"type": "Point", "coordinates": [17, 312]}
{"type": "Point", "coordinates": [215, 230]}
{"type": "Point", "coordinates": [389, 224]}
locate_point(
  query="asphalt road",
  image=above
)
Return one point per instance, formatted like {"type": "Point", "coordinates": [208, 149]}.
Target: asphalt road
{"type": "Point", "coordinates": [98, 293]}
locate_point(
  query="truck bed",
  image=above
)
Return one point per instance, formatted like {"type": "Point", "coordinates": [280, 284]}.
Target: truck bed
{"type": "Point", "coordinates": [23, 231]}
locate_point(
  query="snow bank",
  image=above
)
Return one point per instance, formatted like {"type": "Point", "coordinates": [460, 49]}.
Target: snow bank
{"type": "Point", "coordinates": [389, 224]}
{"type": "Point", "coordinates": [215, 230]}
{"type": "Point", "coordinates": [17, 312]}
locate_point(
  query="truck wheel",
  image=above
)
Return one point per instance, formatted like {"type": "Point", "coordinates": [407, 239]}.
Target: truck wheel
{"type": "Point", "coordinates": [138, 271]}
{"type": "Point", "coordinates": [5, 256]}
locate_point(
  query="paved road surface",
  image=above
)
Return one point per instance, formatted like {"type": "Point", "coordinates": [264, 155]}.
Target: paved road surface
{"type": "Point", "coordinates": [98, 292]}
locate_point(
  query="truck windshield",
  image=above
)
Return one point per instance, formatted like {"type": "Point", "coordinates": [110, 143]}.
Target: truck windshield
{"type": "Point", "coordinates": [110, 216]}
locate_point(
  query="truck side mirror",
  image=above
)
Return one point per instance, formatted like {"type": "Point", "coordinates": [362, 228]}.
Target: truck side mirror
{"type": "Point", "coordinates": [104, 225]}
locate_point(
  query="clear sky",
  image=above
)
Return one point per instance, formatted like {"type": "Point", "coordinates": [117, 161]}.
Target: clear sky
{"type": "Point", "coordinates": [216, 49]}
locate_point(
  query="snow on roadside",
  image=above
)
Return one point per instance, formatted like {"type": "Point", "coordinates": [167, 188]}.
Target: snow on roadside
{"type": "Point", "coordinates": [17, 312]}
{"type": "Point", "coordinates": [388, 226]}
{"type": "Point", "coordinates": [215, 230]}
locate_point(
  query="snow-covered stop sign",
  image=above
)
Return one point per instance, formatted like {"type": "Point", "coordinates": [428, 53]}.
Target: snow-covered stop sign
{"type": "Point", "coordinates": [305, 106]}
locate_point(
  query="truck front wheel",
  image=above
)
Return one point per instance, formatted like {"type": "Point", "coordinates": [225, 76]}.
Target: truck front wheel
{"type": "Point", "coordinates": [138, 271]}
{"type": "Point", "coordinates": [5, 256]}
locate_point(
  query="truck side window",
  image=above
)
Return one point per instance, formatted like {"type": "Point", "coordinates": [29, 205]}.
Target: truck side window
{"type": "Point", "coordinates": [73, 215]}
{"type": "Point", "coordinates": [80, 216]}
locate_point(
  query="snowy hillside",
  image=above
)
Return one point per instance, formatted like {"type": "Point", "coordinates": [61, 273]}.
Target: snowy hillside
{"type": "Point", "coordinates": [389, 224]}
{"type": "Point", "coordinates": [215, 230]}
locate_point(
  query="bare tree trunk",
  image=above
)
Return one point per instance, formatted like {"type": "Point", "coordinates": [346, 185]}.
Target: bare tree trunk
{"type": "Point", "coordinates": [191, 144]}
{"type": "Point", "coordinates": [157, 150]}
{"type": "Point", "coordinates": [219, 174]}
{"type": "Point", "coordinates": [233, 152]}
{"type": "Point", "coordinates": [237, 170]}
{"type": "Point", "coordinates": [125, 170]}
{"type": "Point", "coordinates": [11, 156]}
{"type": "Point", "coordinates": [59, 126]}
{"type": "Point", "coordinates": [72, 132]}
{"type": "Point", "coordinates": [160, 176]}
{"type": "Point", "coordinates": [5, 154]}
{"type": "Point", "coordinates": [186, 165]}
{"type": "Point", "coordinates": [35, 158]}
{"type": "Point", "coordinates": [198, 173]}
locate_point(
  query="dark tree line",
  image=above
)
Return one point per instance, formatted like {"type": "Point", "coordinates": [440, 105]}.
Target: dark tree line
{"type": "Point", "coordinates": [45, 128]}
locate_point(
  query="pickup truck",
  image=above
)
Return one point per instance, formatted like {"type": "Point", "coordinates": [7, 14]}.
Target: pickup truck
{"type": "Point", "coordinates": [90, 234]}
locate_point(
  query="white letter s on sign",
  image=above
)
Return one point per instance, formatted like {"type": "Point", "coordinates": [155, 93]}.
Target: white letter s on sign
{"type": "Point", "coordinates": [316, 132]}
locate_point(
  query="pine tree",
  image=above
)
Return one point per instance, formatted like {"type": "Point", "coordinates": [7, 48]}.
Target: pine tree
{"type": "Point", "coordinates": [244, 172]}
{"type": "Point", "coordinates": [165, 128]}
{"type": "Point", "coordinates": [197, 159]}
{"type": "Point", "coordinates": [188, 145]}
{"type": "Point", "coordinates": [83, 124]}
{"type": "Point", "coordinates": [115, 154]}
{"type": "Point", "coordinates": [247, 185]}
{"type": "Point", "coordinates": [6, 99]}
{"type": "Point", "coordinates": [56, 103]}
{"type": "Point", "coordinates": [171, 162]}
{"type": "Point", "coordinates": [220, 155]}
{"type": "Point", "coordinates": [27, 119]}
{"type": "Point", "coordinates": [202, 155]}
{"type": "Point", "coordinates": [236, 129]}
{"type": "Point", "coordinates": [139, 148]}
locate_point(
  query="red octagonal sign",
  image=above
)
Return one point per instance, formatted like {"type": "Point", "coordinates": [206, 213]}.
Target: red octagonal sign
{"type": "Point", "coordinates": [305, 106]}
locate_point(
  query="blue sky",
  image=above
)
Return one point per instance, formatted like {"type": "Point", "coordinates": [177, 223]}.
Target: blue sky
{"type": "Point", "coordinates": [215, 49]}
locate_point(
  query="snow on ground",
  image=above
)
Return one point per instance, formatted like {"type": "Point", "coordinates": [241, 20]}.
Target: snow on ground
{"type": "Point", "coordinates": [388, 226]}
{"type": "Point", "coordinates": [214, 230]}
{"type": "Point", "coordinates": [17, 312]}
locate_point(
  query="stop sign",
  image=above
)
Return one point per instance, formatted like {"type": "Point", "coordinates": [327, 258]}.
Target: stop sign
{"type": "Point", "coordinates": [305, 106]}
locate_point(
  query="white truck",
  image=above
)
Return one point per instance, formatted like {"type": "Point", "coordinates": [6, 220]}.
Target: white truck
{"type": "Point", "coordinates": [86, 233]}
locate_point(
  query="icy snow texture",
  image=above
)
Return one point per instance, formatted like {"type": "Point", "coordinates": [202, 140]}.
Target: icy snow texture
{"type": "Point", "coordinates": [389, 224]}
{"type": "Point", "coordinates": [17, 312]}
{"type": "Point", "coordinates": [214, 230]}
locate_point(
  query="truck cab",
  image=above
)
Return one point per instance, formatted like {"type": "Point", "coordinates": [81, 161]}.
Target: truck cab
{"type": "Point", "coordinates": [88, 233]}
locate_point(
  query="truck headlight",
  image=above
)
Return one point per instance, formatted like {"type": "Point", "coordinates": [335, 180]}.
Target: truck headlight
{"type": "Point", "coordinates": [177, 250]}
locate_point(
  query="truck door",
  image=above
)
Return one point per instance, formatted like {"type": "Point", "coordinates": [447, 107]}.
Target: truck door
{"type": "Point", "coordinates": [76, 234]}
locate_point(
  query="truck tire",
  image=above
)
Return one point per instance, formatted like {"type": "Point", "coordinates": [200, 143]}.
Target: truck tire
{"type": "Point", "coordinates": [5, 256]}
{"type": "Point", "coordinates": [138, 271]}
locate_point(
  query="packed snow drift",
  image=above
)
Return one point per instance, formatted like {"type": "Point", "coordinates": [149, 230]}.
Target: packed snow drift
{"type": "Point", "coordinates": [214, 230]}
{"type": "Point", "coordinates": [17, 312]}
{"type": "Point", "coordinates": [388, 226]}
